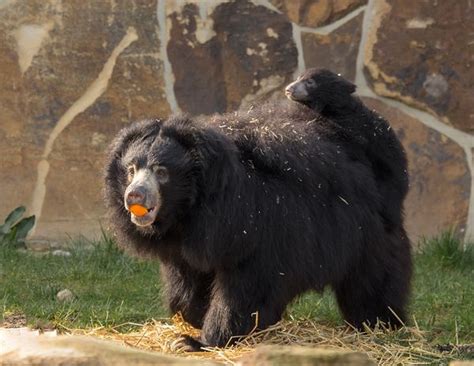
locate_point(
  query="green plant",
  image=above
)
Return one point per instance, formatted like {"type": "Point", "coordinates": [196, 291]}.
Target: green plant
{"type": "Point", "coordinates": [448, 250]}
{"type": "Point", "coordinates": [15, 228]}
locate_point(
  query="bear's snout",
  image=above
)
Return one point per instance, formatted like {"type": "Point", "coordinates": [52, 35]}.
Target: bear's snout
{"type": "Point", "coordinates": [136, 196]}
{"type": "Point", "coordinates": [296, 91]}
{"type": "Point", "coordinates": [143, 191]}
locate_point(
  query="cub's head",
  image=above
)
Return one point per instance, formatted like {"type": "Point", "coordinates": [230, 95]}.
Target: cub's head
{"type": "Point", "coordinates": [317, 88]}
{"type": "Point", "coordinates": [150, 179]}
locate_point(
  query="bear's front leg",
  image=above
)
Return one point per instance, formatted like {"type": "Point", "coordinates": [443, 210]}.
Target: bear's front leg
{"type": "Point", "coordinates": [243, 299]}
{"type": "Point", "coordinates": [187, 291]}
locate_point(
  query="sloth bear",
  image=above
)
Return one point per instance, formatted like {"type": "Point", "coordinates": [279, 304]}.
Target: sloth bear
{"type": "Point", "coordinates": [363, 129]}
{"type": "Point", "coordinates": [247, 210]}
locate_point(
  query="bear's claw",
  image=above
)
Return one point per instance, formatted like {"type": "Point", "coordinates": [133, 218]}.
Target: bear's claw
{"type": "Point", "coordinates": [186, 343]}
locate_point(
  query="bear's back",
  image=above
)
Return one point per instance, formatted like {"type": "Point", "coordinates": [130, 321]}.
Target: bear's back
{"type": "Point", "coordinates": [282, 121]}
{"type": "Point", "coordinates": [282, 137]}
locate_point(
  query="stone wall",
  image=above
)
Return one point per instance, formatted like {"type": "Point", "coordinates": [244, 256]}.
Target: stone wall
{"type": "Point", "coordinates": [73, 73]}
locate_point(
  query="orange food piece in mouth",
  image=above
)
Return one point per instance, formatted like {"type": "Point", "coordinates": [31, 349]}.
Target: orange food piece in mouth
{"type": "Point", "coordinates": [138, 210]}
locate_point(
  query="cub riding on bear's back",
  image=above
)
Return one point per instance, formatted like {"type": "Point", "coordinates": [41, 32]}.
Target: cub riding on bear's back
{"type": "Point", "coordinates": [369, 134]}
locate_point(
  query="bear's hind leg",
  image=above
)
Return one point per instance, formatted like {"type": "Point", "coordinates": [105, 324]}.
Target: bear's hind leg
{"type": "Point", "coordinates": [378, 286]}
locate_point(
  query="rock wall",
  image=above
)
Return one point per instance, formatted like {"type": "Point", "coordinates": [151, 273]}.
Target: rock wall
{"type": "Point", "coordinates": [73, 73]}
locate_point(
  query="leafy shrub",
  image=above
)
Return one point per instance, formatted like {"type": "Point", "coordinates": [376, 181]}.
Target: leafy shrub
{"type": "Point", "coordinates": [14, 230]}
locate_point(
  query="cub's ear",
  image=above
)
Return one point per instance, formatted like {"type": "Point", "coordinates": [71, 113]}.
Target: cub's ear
{"type": "Point", "coordinates": [345, 85]}
{"type": "Point", "coordinates": [181, 129]}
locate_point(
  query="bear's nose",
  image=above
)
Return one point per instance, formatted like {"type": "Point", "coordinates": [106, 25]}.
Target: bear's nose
{"type": "Point", "coordinates": [136, 196]}
{"type": "Point", "coordinates": [289, 89]}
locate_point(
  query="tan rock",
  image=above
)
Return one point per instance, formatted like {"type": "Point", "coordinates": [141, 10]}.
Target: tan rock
{"type": "Point", "coordinates": [38, 245]}
{"type": "Point", "coordinates": [315, 13]}
{"type": "Point", "coordinates": [17, 170]}
{"type": "Point", "coordinates": [229, 65]}
{"type": "Point", "coordinates": [61, 253]}
{"type": "Point", "coordinates": [336, 51]}
{"type": "Point", "coordinates": [295, 355]}
{"type": "Point", "coordinates": [439, 176]}
{"type": "Point", "coordinates": [422, 54]}
{"type": "Point", "coordinates": [27, 348]}
{"type": "Point", "coordinates": [223, 55]}
{"type": "Point", "coordinates": [51, 54]}
{"type": "Point", "coordinates": [65, 295]}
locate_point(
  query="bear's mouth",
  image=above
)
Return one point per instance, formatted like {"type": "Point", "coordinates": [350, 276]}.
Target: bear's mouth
{"type": "Point", "coordinates": [147, 219]}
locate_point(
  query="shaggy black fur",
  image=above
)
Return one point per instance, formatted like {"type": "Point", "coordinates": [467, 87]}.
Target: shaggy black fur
{"type": "Point", "coordinates": [260, 207]}
{"type": "Point", "coordinates": [363, 130]}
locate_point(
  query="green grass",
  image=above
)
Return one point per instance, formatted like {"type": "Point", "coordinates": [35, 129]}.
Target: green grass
{"type": "Point", "coordinates": [443, 290]}
{"type": "Point", "coordinates": [112, 288]}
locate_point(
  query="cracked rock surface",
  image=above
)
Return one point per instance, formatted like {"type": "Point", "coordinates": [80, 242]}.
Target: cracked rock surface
{"type": "Point", "coordinates": [73, 73]}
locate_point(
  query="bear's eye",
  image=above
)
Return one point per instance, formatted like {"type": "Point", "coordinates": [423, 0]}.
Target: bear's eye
{"type": "Point", "coordinates": [161, 173]}
{"type": "Point", "coordinates": [310, 82]}
{"type": "Point", "coordinates": [131, 171]}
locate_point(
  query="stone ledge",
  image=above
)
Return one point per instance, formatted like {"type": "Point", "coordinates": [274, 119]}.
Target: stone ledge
{"type": "Point", "coordinates": [27, 348]}
{"type": "Point", "coordinates": [22, 346]}
{"type": "Point", "coordinates": [295, 355]}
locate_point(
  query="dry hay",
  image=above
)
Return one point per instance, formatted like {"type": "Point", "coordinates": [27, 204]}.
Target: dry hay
{"type": "Point", "coordinates": [407, 345]}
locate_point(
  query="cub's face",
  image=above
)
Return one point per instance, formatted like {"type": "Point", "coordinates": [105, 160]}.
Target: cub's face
{"type": "Point", "coordinates": [301, 90]}
{"type": "Point", "coordinates": [158, 180]}
{"type": "Point", "coordinates": [318, 87]}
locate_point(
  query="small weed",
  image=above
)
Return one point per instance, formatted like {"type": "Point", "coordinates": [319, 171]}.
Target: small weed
{"type": "Point", "coordinates": [14, 230]}
{"type": "Point", "coordinates": [447, 250]}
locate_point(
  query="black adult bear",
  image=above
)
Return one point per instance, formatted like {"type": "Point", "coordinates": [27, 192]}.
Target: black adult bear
{"type": "Point", "coordinates": [248, 210]}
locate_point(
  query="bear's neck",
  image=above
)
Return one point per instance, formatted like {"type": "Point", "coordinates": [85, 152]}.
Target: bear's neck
{"type": "Point", "coordinates": [341, 107]}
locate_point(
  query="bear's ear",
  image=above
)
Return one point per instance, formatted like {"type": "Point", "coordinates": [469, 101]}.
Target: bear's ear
{"type": "Point", "coordinates": [136, 131]}
{"type": "Point", "coordinates": [182, 130]}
